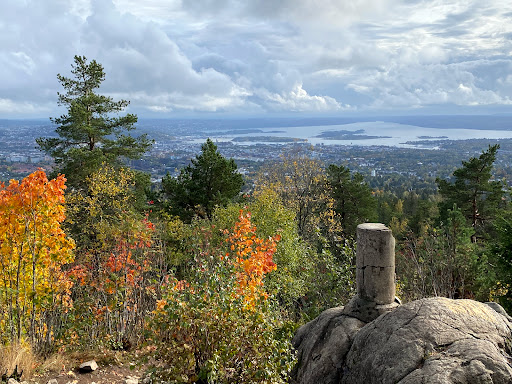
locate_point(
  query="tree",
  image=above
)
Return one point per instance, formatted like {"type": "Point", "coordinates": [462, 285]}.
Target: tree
{"type": "Point", "coordinates": [209, 180]}
{"type": "Point", "coordinates": [102, 208]}
{"type": "Point", "coordinates": [89, 133]}
{"type": "Point", "coordinates": [353, 200]}
{"type": "Point", "coordinates": [474, 191]}
{"type": "Point", "coordinates": [441, 261]}
{"type": "Point", "coordinates": [117, 268]}
{"type": "Point", "coordinates": [295, 273]}
{"type": "Point", "coordinates": [33, 249]}
{"type": "Point", "coordinates": [301, 184]}
{"type": "Point", "coordinates": [501, 253]}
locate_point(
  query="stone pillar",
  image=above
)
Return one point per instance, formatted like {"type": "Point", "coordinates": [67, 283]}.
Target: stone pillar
{"type": "Point", "coordinates": [375, 273]}
{"type": "Point", "coordinates": [375, 262]}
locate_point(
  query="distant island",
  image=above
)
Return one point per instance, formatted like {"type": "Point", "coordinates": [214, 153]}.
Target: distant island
{"type": "Point", "coordinates": [268, 139]}
{"type": "Point", "coordinates": [432, 137]}
{"type": "Point", "coordinates": [348, 135]}
{"type": "Point", "coordinates": [242, 131]}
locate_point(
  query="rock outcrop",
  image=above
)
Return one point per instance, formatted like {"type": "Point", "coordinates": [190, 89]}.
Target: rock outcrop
{"type": "Point", "coordinates": [434, 340]}
{"type": "Point", "coordinates": [322, 345]}
{"type": "Point", "coordinates": [374, 339]}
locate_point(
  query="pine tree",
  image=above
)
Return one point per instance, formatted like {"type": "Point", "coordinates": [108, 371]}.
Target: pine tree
{"type": "Point", "coordinates": [90, 133]}
{"type": "Point", "coordinates": [474, 191]}
{"type": "Point", "coordinates": [209, 180]}
{"type": "Point", "coordinates": [353, 200]}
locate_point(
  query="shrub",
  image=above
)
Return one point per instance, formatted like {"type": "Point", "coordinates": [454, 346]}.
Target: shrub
{"type": "Point", "coordinates": [220, 325]}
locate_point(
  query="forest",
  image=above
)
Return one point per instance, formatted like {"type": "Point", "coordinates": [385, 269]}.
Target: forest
{"type": "Point", "coordinates": [205, 282]}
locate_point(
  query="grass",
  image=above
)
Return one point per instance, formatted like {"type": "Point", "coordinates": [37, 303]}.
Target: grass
{"type": "Point", "coordinates": [19, 355]}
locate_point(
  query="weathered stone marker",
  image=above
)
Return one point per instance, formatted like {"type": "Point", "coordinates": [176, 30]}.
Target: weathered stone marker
{"type": "Point", "coordinates": [370, 340]}
{"type": "Point", "coordinates": [375, 262]}
{"type": "Point", "coordinates": [375, 273]}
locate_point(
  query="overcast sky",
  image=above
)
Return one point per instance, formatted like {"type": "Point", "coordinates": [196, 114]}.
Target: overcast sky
{"type": "Point", "coordinates": [254, 57]}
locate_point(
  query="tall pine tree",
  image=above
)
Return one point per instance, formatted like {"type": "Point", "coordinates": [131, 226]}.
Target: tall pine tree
{"type": "Point", "coordinates": [90, 133]}
{"type": "Point", "coordinates": [474, 191]}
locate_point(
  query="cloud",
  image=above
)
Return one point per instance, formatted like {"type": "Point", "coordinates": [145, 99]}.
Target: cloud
{"type": "Point", "coordinates": [298, 100]}
{"type": "Point", "coordinates": [146, 62]}
{"type": "Point", "coordinates": [420, 86]}
{"type": "Point", "coordinates": [20, 108]}
{"type": "Point", "coordinates": [258, 56]}
{"type": "Point", "coordinates": [304, 11]}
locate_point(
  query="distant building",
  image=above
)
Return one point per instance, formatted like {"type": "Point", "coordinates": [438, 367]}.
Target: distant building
{"type": "Point", "coordinates": [17, 159]}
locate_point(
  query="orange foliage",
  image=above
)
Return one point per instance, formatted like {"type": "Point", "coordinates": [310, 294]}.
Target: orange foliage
{"type": "Point", "coordinates": [33, 248]}
{"type": "Point", "coordinates": [252, 258]}
{"type": "Point", "coordinates": [248, 260]}
{"type": "Point", "coordinates": [113, 281]}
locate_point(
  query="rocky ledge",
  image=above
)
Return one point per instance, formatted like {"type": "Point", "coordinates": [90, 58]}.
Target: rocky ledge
{"type": "Point", "coordinates": [434, 340]}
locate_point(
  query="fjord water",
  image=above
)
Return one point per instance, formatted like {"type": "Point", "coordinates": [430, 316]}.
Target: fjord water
{"type": "Point", "coordinates": [357, 133]}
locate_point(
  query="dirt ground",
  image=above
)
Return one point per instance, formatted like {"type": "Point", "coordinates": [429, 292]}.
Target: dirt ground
{"type": "Point", "coordinates": [103, 375]}
{"type": "Point", "coordinates": [115, 370]}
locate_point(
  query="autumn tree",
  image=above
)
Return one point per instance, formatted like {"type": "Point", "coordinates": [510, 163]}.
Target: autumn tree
{"type": "Point", "coordinates": [104, 204]}
{"type": "Point", "coordinates": [115, 257]}
{"type": "Point", "coordinates": [306, 281]}
{"type": "Point", "coordinates": [33, 250]}
{"type": "Point", "coordinates": [90, 133]}
{"type": "Point", "coordinates": [301, 184]}
{"type": "Point", "coordinates": [209, 180]}
{"type": "Point", "coordinates": [474, 191]}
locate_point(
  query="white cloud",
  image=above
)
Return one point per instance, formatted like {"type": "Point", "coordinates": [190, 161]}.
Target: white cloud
{"type": "Point", "coordinates": [298, 100]}
{"type": "Point", "coordinates": [416, 86]}
{"type": "Point", "coordinates": [331, 12]}
{"type": "Point", "coordinates": [21, 108]}
{"type": "Point", "coordinates": [261, 55]}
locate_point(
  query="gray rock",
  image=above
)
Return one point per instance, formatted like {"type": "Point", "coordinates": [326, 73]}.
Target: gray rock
{"type": "Point", "coordinates": [322, 345]}
{"type": "Point", "coordinates": [52, 381]}
{"type": "Point", "coordinates": [12, 381]}
{"type": "Point", "coordinates": [429, 341]}
{"type": "Point", "coordinates": [498, 308]}
{"type": "Point", "coordinates": [433, 340]}
{"type": "Point", "coordinates": [88, 366]}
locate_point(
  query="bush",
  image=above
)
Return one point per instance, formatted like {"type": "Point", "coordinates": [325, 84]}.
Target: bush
{"type": "Point", "coordinates": [219, 325]}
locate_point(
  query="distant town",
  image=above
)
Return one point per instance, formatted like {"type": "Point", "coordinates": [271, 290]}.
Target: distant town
{"type": "Point", "coordinates": [177, 141]}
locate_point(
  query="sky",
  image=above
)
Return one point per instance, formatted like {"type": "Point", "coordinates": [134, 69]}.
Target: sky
{"type": "Point", "coordinates": [173, 58]}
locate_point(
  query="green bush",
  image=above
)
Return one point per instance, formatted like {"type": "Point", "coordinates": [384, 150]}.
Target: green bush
{"type": "Point", "coordinates": [205, 331]}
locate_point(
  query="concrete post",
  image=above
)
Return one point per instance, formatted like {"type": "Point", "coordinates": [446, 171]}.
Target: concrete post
{"type": "Point", "coordinates": [375, 273]}
{"type": "Point", "coordinates": [375, 262]}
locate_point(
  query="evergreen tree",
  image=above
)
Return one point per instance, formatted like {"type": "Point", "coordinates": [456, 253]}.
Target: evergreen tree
{"type": "Point", "coordinates": [353, 200]}
{"type": "Point", "coordinates": [90, 133]}
{"type": "Point", "coordinates": [474, 191]}
{"type": "Point", "coordinates": [209, 180]}
{"type": "Point", "coordinates": [501, 255]}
